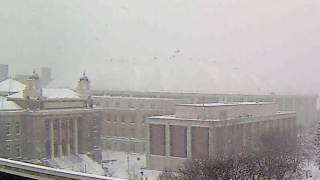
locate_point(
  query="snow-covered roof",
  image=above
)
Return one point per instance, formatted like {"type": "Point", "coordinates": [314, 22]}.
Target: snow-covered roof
{"type": "Point", "coordinates": [8, 105]}
{"type": "Point", "coordinates": [10, 85]}
{"type": "Point", "coordinates": [53, 93]}
{"type": "Point", "coordinates": [225, 104]}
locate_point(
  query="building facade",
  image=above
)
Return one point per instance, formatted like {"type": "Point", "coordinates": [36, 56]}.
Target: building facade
{"type": "Point", "coordinates": [209, 130]}
{"type": "Point", "coordinates": [41, 123]}
{"type": "Point", "coordinates": [305, 105]}
{"type": "Point", "coordinates": [4, 71]}
{"type": "Point", "coordinates": [123, 127]}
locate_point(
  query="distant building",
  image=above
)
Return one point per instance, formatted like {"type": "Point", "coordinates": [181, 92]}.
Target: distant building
{"type": "Point", "coordinates": [46, 76]}
{"type": "Point", "coordinates": [305, 105]}
{"type": "Point", "coordinates": [4, 71]}
{"type": "Point", "coordinates": [40, 123]}
{"type": "Point", "coordinates": [123, 127]}
{"type": "Point", "coordinates": [207, 130]}
{"type": "Point", "coordinates": [23, 78]}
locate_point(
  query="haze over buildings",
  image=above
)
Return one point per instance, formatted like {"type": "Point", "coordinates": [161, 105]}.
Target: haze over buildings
{"type": "Point", "coordinates": [239, 46]}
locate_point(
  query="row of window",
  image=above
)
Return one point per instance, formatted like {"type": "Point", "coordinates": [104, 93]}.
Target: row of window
{"type": "Point", "coordinates": [129, 105]}
{"type": "Point", "coordinates": [17, 149]}
{"type": "Point", "coordinates": [132, 132]}
{"type": "Point", "coordinates": [127, 147]}
{"type": "Point", "coordinates": [17, 129]}
{"type": "Point", "coordinates": [124, 119]}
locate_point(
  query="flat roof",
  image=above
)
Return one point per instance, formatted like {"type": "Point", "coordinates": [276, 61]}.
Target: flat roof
{"type": "Point", "coordinates": [137, 98]}
{"type": "Point", "coordinates": [226, 104]}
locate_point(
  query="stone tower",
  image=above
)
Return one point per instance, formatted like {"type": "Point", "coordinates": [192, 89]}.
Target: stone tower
{"type": "Point", "coordinates": [33, 89]}
{"type": "Point", "coordinates": [84, 86]}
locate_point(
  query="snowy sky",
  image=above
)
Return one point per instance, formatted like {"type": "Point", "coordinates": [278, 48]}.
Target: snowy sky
{"type": "Point", "coordinates": [243, 46]}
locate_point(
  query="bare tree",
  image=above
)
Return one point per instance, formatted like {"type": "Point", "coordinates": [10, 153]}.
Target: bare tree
{"type": "Point", "coordinates": [275, 157]}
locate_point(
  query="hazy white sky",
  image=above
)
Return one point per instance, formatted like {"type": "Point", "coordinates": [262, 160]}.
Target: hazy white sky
{"type": "Point", "coordinates": [246, 46]}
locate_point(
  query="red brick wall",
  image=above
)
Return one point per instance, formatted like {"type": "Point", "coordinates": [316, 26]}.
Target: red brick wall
{"type": "Point", "coordinates": [157, 140]}
{"type": "Point", "coordinates": [200, 142]}
{"type": "Point", "coordinates": [178, 141]}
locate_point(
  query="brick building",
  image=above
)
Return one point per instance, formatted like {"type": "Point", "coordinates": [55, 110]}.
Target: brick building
{"type": "Point", "coordinates": [123, 127]}
{"type": "Point", "coordinates": [207, 130]}
{"type": "Point", "coordinates": [305, 105]}
{"type": "Point", "coordinates": [41, 123]}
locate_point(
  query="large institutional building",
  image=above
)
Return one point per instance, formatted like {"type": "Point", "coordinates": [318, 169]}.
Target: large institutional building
{"type": "Point", "coordinates": [40, 123]}
{"type": "Point", "coordinates": [123, 127]}
{"type": "Point", "coordinates": [305, 105]}
{"type": "Point", "coordinates": [209, 130]}
{"type": "Point", "coordinates": [4, 71]}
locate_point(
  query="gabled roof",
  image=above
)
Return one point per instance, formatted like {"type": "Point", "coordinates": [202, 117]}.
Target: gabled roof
{"type": "Point", "coordinates": [8, 105]}
{"type": "Point", "coordinates": [52, 93]}
{"type": "Point", "coordinates": [11, 86]}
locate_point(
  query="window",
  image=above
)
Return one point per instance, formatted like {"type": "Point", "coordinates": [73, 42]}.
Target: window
{"type": "Point", "coordinates": [18, 150]}
{"type": "Point", "coordinates": [132, 133]}
{"type": "Point", "coordinates": [106, 104]}
{"type": "Point", "coordinates": [8, 147]}
{"type": "Point", "coordinates": [152, 106]}
{"type": "Point", "coordinates": [117, 104]}
{"type": "Point", "coordinates": [122, 147]}
{"type": "Point", "coordinates": [223, 115]}
{"type": "Point", "coordinates": [115, 118]}
{"type": "Point", "coordinates": [18, 130]}
{"type": "Point", "coordinates": [8, 132]}
{"type": "Point", "coordinates": [108, 118]}
{"type": "Point", "coordinates": [123, 119]}
{"type": "Point", "coordinates": [130, 105]}
{"type": "Point", "coordinates": [132, 119]}
{"type": "Point", "coordinates": [97, 103]}
{"type": "Point", "coordinates": [132, 147]}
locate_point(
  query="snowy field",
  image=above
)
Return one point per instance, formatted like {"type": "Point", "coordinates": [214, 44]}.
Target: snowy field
{"type": "Point", "coordinates": [127, 165]}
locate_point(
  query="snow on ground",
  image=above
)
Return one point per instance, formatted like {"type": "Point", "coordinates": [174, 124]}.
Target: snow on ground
{"type": "Point", "coordinates": [80, 163]}
{"type": "Point", "coordinates": [313, 170]}
{"type": "Point", "coordinates": [117, 164]}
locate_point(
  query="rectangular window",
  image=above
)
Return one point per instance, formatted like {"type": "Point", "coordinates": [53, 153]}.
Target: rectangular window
{"type": "Point", "coordinates": [18, 150]}
{"type": "Point", "coordinates": [130, 105]}
{"type": "Point", "coordinates": [132, 133]}
{"type": "Point", "coordinates": [106, 104]}
{"type": "Point", "coordinates": [8, 129]}
{"type": "Point", "coordinates": [115, 118]}
{"type": "Point", "coordinates": [117, 104]}
{"type": "Point", "coordinates": [123, 119]}
{"type": "Point", "coordinates": [132, 119]}
{"type": "Point", "coordinates": [8, 148]}
{"type": "Point", "coordinates": [18, 130]}
{"type": "Point", "coordinates": [108, 118]}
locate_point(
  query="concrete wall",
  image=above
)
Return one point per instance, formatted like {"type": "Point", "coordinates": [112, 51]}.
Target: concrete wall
{"type": "Point", "coordinates": [226, 111]}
